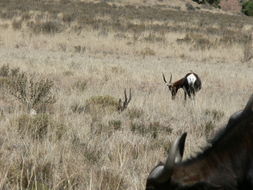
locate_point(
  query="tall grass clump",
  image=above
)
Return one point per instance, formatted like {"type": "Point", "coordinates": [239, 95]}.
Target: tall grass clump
{"type": "Point", "coordinates": [39, 126]}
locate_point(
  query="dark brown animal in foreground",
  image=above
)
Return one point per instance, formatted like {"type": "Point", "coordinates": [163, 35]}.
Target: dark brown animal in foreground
{"type": "Point", "coordinates": [190, 83]}
{"type": "Point", "coordinates": [226, 165]}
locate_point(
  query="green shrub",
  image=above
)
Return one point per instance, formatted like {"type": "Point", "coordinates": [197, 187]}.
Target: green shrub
{"type": "Point", "coordinates": [247, 8]}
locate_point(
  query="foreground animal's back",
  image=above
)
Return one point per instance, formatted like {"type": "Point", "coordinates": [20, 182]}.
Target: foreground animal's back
{"type": "Point", "coordinates": [226, 165]}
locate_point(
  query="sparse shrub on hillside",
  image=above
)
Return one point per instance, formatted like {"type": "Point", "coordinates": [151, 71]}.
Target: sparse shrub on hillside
{"type": "Point", "coordinates": [49, 27]}
{"type": "Point", "coordinates": [102, 104]}
{"type": "Point", "coordinates": [209, 127]}
{"type": "Point", "coordinates": [6, 71]}
{"type": "Point", "coordinates": [79, 49]}
{"type": "Point", "coordinates": [68, 18]}
{"type": "Point", "coordinates": [17, 24]}
{"type": "Point", "coordinates": [28, 174]}
{"type": "Point", "coordinates": [90, 151]}
{"type": "Point", "coordinates": [152, 129]}
{"type": "Point", "coordinates": [210, 119]}
{"type": "Point", "coordinates": [109, 179]}
{"type": "Point", "coordinates": [77, 108]}
{"type": "Point", "coordinates": [248, 49]}
{"type": "Point", "coordinates": [68, 73]}
{"type": "Point", "coordinates": [189, 7]}
{"type": "Point", "coordinates": [80, 85]}
{"type": "Point", "coordinates": [247, 8]}
{"type": "Point", "coordinates": [198, 41]}
{"type": "Point", "coordinates": [215, 115]}
{"type": "Point", "coordinates": [147, 52]}
{"type": "Point", "coordinates": [105, 130]}
{"type": "Point", "coordinates": [153, 37]}
{"type": "Point", "coordinates": [134, 113]}
{"type": "Point", "coordinates": [115, 124]}
{"type": "Point", "coordinates": [215, 3]}
{"type": "Point", "coordinates": [31, 92]}
{"type": "Point", "coordinates": [38, 126]}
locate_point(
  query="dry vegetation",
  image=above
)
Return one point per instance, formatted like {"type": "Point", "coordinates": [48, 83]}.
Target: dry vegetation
{"type": "Point", "coordinates": [72, 60]}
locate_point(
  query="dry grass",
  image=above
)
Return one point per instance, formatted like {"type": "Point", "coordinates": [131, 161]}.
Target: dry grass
{"type": "Point", "coordinates": [83, 142]}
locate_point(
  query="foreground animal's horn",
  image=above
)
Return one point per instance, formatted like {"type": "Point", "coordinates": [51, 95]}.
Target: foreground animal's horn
{"type": "Point", "coordinates": [176, 152]}
{"type": "Point", "coordinates": [175, 156]}
{"type": "Point", "coordinates": [164, 79]}
{"type": "Point", "coordinates": [170, 78]}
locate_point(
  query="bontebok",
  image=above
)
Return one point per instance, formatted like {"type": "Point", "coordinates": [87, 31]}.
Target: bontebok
{"type": "Point", "coordinates": [191, 84]}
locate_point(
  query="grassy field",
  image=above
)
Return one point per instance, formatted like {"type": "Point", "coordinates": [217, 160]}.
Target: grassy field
{"type": "Point", "coordinates": [91, 52]}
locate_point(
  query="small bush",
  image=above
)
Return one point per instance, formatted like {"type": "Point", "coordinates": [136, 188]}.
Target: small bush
{"type": "Point", "coordinates": [214, 2]}
{"type": "Point", "coordinates": [153, 129]}
{"type": "Point", "coordinates": [198, 41]}
{"type": "Point", "coordinates": [248, 49]}
{"type": "Point", "coordinates": [105, 130]}
{"type": "Point", "coordinates": [116, 124]}
{"type": "Point", "coordinates": [68, 18]}
{"type": "Point", "coordinates": [37, 126]}
{"type": "Point", "coordinates": [215, 115]}
{"type": "Point", "coordinates": [31, 92]}
{"type": "Point", "coordinates": [208, 127]}
{"type": "Point", "coordinates": [31, 174]}
{"type": "Point", "coordinates": [247, 8]}
{"type": "Point", "coordinates": [152, 37]}
{"type": "Point", "coordinates": [102, 103]}
{"type": "Point", "coordinates": [134, 113]}
{"type": "Point", "coordinates": [147, 52]}
{"type": "Point", "coordinates": [49, 27]}
{"type": "Point", "coordinates": [80, 85]}
{"type": "Point", "coordinates": [16, 25]}
{"type": "Point", "coordinates": [5, 71]}
{"type": "Point", "coordinates": [77, 108]}
{"type": "Point", "coordinates": [189, 7]}
{"type": "Point", "coordinates": [110, 179]}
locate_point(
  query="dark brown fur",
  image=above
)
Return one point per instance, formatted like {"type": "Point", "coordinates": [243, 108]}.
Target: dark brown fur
{"type": "Point", "coordinates": [226, 165]}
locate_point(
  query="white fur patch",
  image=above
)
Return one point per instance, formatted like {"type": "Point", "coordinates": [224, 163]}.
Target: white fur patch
{"type": "Point", "coordinates": [191, 79]}
{"type": "Point", "coordinates": [156, 172]}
